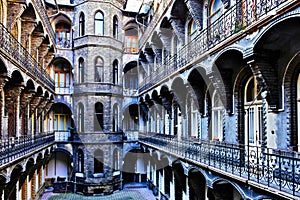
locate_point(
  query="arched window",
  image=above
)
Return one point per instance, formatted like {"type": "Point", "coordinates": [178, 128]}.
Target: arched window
{"type": "Point", "coordinates": [99, 65]}
{"type": "Point", "coordinates": [98, 161]}
{"type": "Point", "coordinates": [115, 118]}
{"type": "Point", "coordinates": [80, 164]}
{"type": "Point", "coordinates": [253, 110]}
{"type": "Point", "coordinates": [62, 75]}
{"type": "Point", "coordinates": [80, 118]}
{"type": "Point", "coordinates": [217, 117]}
{"type": "Point", "coordinates": [192, 29]}
{"type": "Point", "coordinates": [81, 70]}
{"type": "Point", "coordinates": [115, 72]}
{"type": "Point", "coordinates": [81, 24]}
{"type": "Point", "coordinates": [99, 23]}
{"type": "Point", "coordinates": [62, 35]}
{"type": "Point", "coordinates": [98, 119]}
{"type": "Point", "coordinates": [116, 160]}
{"type": "Point", "coordinates": [215, 10]}
{"type": "Point", "coordinates": [131, 40]}
{"type": "Point", "coordinates": [115, 27]}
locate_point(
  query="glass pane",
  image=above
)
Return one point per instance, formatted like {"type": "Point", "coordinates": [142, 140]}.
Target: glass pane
{"type": "Point", "coordinates": [251, 125]}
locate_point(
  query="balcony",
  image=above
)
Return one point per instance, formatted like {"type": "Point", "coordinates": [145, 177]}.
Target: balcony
{"type": "Point", "coordinates": [232, 24]}
{"type": "Point", "coordinates": [62, 136]}
{"type": "Point", "coordinates": [64, 90]}
{"type": "Point", "coordinates": [131, 135]}
{"type": "Point", "coordinates": [15, 50]}
{"type": "Point", "coordinates": [270, 169]}
{"type": "Point", "coordinates": [95, 87]}
{"type": "Point", "coordinates": [15, 147]}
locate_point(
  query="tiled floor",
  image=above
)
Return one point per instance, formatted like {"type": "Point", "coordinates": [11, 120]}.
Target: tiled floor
{"type": "Point", "coordinates": [130, 191]}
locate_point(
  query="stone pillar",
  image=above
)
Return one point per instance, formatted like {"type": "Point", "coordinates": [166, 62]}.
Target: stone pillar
{"type": "Point", "coordinates": [27, 27]}
{"type": "Point", "coordinates": [196, 9]}
{"type": "Point", "coordinates": [25, 99]}
{"type": "Point", "coordinates": [18, 192]}
{"type": "Point", "coordinates": [172, 187]}
{"type": "Point", "coordinates": [187, 194]}
{"type": "Point", "coordinates": [179, 28]}
{"type": "Point", "coordinates": [33, 105]}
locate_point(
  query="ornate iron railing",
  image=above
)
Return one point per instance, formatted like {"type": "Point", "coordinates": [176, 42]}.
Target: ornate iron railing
{"type": "Point", "coordinates": [15, 50]}
{"type": "Point", "coordinates": [241, 16]}
{"type": "Point", "coordinates": [16, 147]}
{"type": "Point", "coordinates": [273, 168]}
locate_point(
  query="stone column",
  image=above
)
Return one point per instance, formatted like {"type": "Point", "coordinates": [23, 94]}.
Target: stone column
{"type": "Point", "coordinates": [33, 105]}
{"type": "Point", "coordinates": [264, 119]}
{"type": "Point", "coordinates": [172, 187]}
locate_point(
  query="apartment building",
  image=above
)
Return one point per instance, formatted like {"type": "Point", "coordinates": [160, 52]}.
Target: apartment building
{"type": "Point", "coordinates": [198, 99]}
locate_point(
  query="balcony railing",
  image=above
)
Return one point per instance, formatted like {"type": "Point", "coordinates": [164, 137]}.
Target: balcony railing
{"type": "Point", "coordinates": [15, 50]}
{"type": "Point", "coordinates": [16, 147]}
{"type": "Point", "coordinates": [270, 168]}
{"type": "Point", "coordinates": [62, 136]}
{"type": "Point", "coordinates": [241, 16]}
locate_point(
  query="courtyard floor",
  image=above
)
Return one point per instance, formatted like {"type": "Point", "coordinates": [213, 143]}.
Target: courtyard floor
{"type": "Point", "coordinates": [128, 193]}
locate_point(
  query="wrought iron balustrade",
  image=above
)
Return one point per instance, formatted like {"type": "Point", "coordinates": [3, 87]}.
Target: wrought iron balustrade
{"type": "Point", "coordinates": [243, 14]}
{"type": "Point", "coordinates": [271, 168]}
{"type": "Point", "coordinates": [16, 147]}
{"type": "Point", "coordinates": [15, 50]}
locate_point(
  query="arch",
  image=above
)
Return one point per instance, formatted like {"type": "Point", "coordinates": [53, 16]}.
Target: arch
{"type": "Point", "coordinates": [30, 85]}
{"type": "Point", "coordinates": [16, 77]}
{"type": "Point", "coordinates": [115, 113]}
{"type": "Point", "coordinates": [234, 185]}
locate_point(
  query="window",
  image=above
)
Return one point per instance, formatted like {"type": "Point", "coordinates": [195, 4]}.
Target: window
{"type": "Point", "coordinates": [215, 10]}
{"type": "Point", "coordinates": [61, 121]}
{"type": "Point", "coordinates": [192, 29]}
{"type": "Point", "coordinates": [81, 71]}
{"type": "Point", "coordinates": [115, 72]}
{"type": "Point", "coordinates": [217, 117]}
{"type": "Point", "coordinates": [99, 75]}
{"type": "Point", "coordinates": [131, 78]}
{"type": "Point", "coordinates": [115, 27]}
{"type": "Point", "coordinates": [98, 119]}
{"type": "Point", "coordinates": [253, 110]}
{"type": "Point", "coordinates": [80, 164]}
{"type": "Point", "coordinates": [80, 118]}
{"type": "Point", "coordinates": [98, 161]}
{"type": "Point", "coordinates": [81, 24]}
{"type": "Point", "coordinates": [131, 40]}
{"type": "Point", "coordinates": [62, 35]}
{"type": "Point", "coordinates": [115, 118]}
{"type": "Point", "coordinates": [99, 23]}
{"type": "Point", "coordinates": [62, 75]}
{"type": "Point", "coordinates": [116, 160]}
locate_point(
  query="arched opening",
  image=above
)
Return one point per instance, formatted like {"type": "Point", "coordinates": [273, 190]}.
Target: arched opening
{"type": "Point", "coordinates": [131, 40]}
{"type": "Point", "coordinates": [131, 121]}
{"type": "Point", "coordinates": [99, 69]}
{"type": "Point", "coordinates": [134, 166]}
{"type": "Point", "coordinates": [62, 121]}
{"type": "Point", "coordinates": [63, 35]}
{"type": "Point", "coordinates": [80, 124]}
{"type": "Point", "coordinates": [197, 185]}
{"type": "Point", "coordinates": [131, 75]}
{"type": "Point", "coordinates": [115, 27]}
{"type": "Point", "coordinates": [115, 72]}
